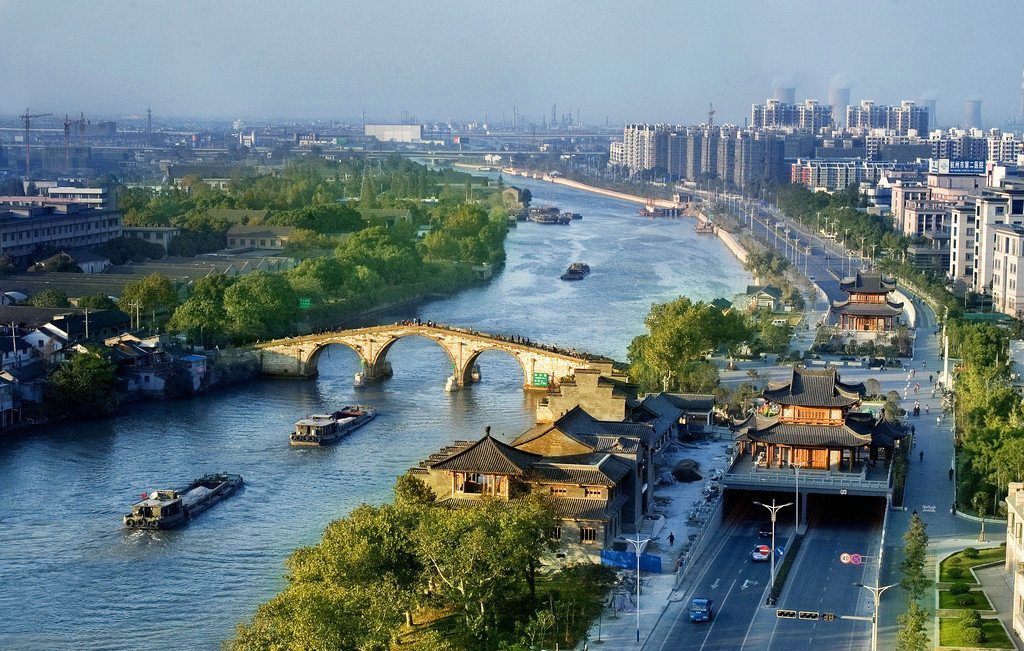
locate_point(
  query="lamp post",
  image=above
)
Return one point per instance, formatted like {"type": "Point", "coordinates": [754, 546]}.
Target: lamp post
{"type": "Point", "coordinates": [773, 509]}
{"type": "Point", "coordinates": [876, 591]}
{"type": "Point", "coordinates": [638, 546]}
{"type": "Point", "coordinates": [796, 467]}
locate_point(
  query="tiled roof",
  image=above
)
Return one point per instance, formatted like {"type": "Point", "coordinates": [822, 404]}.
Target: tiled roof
{"type": "Point", "coordinates": [577, 421]}
{"type": "Point", "coordinates": [814, 388]}
{"type": "Point", "coordinates": [583, 508]}
{"type": "Point", "coordinates": [868, 309]}
{"type": "Point", "coordinates": [489, 456]}
{"type": "Point", "coordinates": [860, 429]}
{"type": "Point", "coordinates": [607, 471]}
{"type": "Point", "coordinates": [692, 401]}
{"type": "Point", "coordinates": [867, 284]}
{"type": "Point", "coordinates": [774, 292]}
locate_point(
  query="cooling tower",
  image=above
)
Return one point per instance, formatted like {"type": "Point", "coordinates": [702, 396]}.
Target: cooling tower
{"type": "Point", "coordinates": [786, 95]}
{"type": "Point", "coordinates": [839, 98]}
{"type": "Point", "coordinates": [972, 113]}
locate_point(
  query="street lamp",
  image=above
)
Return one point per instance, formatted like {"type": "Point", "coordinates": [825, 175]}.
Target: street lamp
{"type": "Point", "coordinates": [773, 509]}
{"type": "Point", "coordinates": [638, 546]}
{"type": "Point", "coordinates": [796, 467]}
{"type": "Point", "coordinates": [876, 591]}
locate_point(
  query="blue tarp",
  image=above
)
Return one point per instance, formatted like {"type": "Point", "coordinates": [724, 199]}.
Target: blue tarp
{"type": "Point", "coordinates": [648, 562]}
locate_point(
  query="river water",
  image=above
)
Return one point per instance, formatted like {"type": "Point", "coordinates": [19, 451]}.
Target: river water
{"type": "Point", "coordinates": [72, 577]}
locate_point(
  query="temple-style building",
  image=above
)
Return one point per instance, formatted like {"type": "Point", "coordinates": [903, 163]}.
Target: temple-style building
{"type": "Point", "coordinates": [597, 474]}
{"type": "Point", "coordinates": [812, 420]}
{"type": "Point", "coordinates": [868, 307]}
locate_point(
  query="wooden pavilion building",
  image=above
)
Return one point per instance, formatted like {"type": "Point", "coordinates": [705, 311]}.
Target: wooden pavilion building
{"type": "Point", "coordinates": [868, 307]}
{"type": "Point", "coordinates": [812, 420]}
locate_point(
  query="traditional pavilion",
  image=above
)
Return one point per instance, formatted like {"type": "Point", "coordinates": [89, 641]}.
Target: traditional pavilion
{"type": "Point", "coordinates": [811, 419]}
{"type": "Point", "coordinates": [868, 307]}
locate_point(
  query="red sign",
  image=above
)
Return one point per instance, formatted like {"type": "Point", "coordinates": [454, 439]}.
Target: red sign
{"type": "Point", "coordinates": [855, 559]}
{"type": "Point", "coordinates": [764, 549]}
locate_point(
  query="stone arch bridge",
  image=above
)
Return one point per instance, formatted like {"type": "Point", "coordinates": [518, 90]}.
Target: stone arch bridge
{"type": "Point", "coordinates": [543, 366]}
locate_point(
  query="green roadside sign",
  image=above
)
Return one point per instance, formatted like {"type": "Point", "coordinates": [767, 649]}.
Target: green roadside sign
{"type": "Point", "coordinates": [540, 379]}
{"type": "Point", "coordinates": [304, 303]}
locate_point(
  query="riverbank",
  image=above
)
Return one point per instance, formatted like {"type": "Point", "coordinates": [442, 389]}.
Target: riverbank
{"type": "Point", "coordinates": [730, 242]}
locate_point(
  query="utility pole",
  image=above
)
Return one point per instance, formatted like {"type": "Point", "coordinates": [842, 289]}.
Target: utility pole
{"type": "Point", "coordinates": [876, 592]}
{"type": "Point", "coordinates": [638, 546]}
{"type": "Point", "coordinates": [773, 509]}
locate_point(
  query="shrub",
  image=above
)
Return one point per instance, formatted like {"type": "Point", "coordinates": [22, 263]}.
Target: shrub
{"type": "Point", "coordinates": [959, 588]}
{"type": "Point", "coordinates": [955, 560]}
{"type": "Point", "coordinates": [972, 635]}
{"type": "Point", "coordinates": [969, 618]}
{"type": "Point", "coordinates": [970, 552]}
{"type": "Point", "coordinates": [964, 600]}
{"type": "Point", "coordinates": [955, 572]}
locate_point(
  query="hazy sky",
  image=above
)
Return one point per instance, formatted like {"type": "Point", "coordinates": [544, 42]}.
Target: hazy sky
{"type": "Point", "coordinates": [636, 61]}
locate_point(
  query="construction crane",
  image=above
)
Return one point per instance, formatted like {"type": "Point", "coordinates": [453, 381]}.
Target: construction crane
{"type": "Point", "coordinates": [711, 116]}
{"type": "Point", "coordinates": [81, 122]}
{"type": "Point", "coordinates": [27, 119]}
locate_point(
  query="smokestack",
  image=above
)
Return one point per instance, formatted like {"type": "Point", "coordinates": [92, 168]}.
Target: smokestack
{"type": "Point", "coordinates": [839, 98]}
{"type": "Point", "coordinates": [786, 95]}
{"type": "Point", "coordinates": [972, 113]}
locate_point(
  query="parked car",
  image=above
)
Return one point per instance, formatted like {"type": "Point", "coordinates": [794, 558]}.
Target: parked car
{"type": "Point", "coordinates": [715, 475]}
{"type": "Point", "coordinates": [761, 553]}
{"type": "Point", "coordinates": [700, 609]}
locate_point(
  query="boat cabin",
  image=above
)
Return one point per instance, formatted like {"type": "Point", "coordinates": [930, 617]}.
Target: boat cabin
{"type": "Point", "coordinates": [159, 505]}
{"type": "Point", "coordinates": [318, 426]}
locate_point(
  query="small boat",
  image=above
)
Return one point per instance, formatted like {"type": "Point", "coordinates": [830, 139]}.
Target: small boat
{"type": "Point", "coordinates": [322, 429]}
{"type": "Point", "coordinates": [548, 215]}
{"type": "Point", "coordinates": [576, 271]}
{"type": "Point", "coordinates": [704, 226]}
{"type": "Point", "coordinates": [573, 215]}
{"type": "Point", "coordinates": [360, 380]}
{"type": "Point", "coordinates": [474, 374]}
{"type": "Point", "coordinates": [166, 509]}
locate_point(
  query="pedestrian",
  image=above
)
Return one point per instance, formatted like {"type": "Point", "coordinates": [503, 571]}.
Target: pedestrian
{"type": "Point", "coordinates": [921, 456]}
{"type": "Point", "coordinates": [930, 380]}
{"type": "Point", "coordinates": [671, 539]}
{"type": "Point", "coordinates": [950, 474]}
{"type": "Point", "coordinates": [915, 511]}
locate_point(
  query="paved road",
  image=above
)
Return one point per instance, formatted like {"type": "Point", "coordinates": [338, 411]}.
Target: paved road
{"type": "Point", "coordinates": [734, 582]}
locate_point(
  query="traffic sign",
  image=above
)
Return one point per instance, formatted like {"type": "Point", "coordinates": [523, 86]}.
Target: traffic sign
{"type": "Point", "coordinates": [844, 559]}
{"type": "Point", "coordinates": [304, 303]}
{"type": "Point", "coordinates": [764, 549]}
{"type": "Point", "coordinates": [779, 551]}
{"type": "Point", "coordinates": [828, 617]}
{"type": "Point", "coordinates": [855, 559]}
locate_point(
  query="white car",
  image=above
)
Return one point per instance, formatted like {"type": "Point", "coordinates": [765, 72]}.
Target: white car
{"type": "Point", "coordinates": [761, 553]}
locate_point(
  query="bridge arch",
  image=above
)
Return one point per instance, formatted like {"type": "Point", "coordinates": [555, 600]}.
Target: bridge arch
{"type": "Point", "coordinates": [313, 360]}
{"type": "Point", "coordinates": [380, 357]}
{"type": "Point", "coordinates": [466, 373]}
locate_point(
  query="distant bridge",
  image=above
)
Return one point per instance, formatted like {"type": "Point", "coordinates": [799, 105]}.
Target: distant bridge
{"type": "Point", "coordinates": [542, 365]}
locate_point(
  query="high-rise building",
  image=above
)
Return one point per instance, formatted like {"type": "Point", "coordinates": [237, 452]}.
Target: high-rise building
{"type": "Point", "coordinates": [898, 119]}
{"type": "Point", "coordinates": [645, 147]}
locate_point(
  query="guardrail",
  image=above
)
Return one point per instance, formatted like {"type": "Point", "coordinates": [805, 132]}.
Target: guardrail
{"type": "Point", "coordinates": [767, 477]}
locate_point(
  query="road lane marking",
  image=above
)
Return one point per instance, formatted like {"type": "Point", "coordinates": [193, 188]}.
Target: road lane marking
{"type": "Point", "coordinates": [714, 586]}
{"type": "Point", "coordinates": [715, 620]}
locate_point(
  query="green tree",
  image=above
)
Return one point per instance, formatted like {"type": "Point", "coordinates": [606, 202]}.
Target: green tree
{"type": "Point", "coordinates": [50, 298]}
{"type": "Point", "coordinates": [259, 305]}
{"type": "Point", "coordinates": [82, 387]}
{"type": "Point", "coordinates": [912, 636]}
{"type": "Point", "coordinates": [915, 578]}
{"type": "Point", "coordinates": [152, 293]}
{"type": "Point", "coordinates": [97, 301]}
{"type": "Point", "coordinates": [368, 191]}
{"type": "Point", "coordinates": [410, 489]}
{"type": "Point", "coordinates": [202, 315]}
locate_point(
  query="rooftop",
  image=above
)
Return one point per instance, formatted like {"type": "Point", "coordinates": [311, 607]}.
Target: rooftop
{"type": "Point", "coordinates": [814, 388]}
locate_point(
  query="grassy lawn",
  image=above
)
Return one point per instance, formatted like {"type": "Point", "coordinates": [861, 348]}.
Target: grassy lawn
{"type": "Point", "coordinates": [995, 636]}
{"type": "Point", "coordinates": [984, 556]}
{"type": "Point", "coordinates": [947, 600]}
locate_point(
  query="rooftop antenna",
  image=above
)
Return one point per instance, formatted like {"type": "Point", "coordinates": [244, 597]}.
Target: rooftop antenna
{"type": "Point", "coordinates": [149, 121]}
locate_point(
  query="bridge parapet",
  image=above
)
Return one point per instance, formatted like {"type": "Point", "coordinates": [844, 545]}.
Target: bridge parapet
{"type": "Point", "coordinates": [542, 365]}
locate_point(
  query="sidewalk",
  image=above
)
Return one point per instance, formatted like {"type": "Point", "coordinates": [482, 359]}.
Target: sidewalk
{"type": "Point", "coordinates": [676, 502]}
{"type": "Point", "coordinates": [996, 585]}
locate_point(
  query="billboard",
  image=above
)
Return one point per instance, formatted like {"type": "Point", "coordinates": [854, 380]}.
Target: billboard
{"type": "Point", "coordinates": [952, 166]}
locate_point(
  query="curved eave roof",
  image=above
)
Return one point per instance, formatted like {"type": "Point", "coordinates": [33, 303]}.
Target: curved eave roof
{"type": "Point", "coordinates": [868, 309]}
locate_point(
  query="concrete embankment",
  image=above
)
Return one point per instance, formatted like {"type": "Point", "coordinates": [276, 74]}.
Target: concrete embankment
{"type": "Point", "coordinates": [730, 242]}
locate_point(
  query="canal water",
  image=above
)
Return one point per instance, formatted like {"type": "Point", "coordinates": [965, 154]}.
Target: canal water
{"type": "Point", "coordinates": [72, 577]}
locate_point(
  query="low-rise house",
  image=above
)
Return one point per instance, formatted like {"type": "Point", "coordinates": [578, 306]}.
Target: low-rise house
{"type": "Point", "coordinates": [764, 297]}
{"type": "Point", "coordinates": [27, 380]}
{"type": "Point", "coordinates": [195, 365]}
{"type": "Point", "coordinates": [258, 237]}
{"type": "Point", "coordinates": [10, 411]}
{"type": "Point", "coordinates": [161, 235]}
{"type": "Point", "coordinates": [14, 350]}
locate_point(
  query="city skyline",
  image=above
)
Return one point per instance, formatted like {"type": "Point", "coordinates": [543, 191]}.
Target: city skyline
{"type": "Point", "coordinates": [463, 62]}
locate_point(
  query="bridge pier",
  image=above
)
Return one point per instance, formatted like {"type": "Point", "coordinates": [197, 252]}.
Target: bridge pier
{"type": "Point", "coordinates": [282, 364]}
